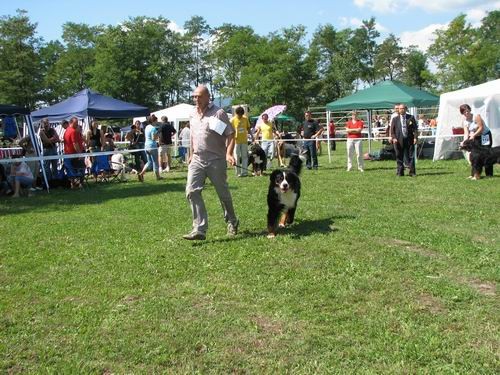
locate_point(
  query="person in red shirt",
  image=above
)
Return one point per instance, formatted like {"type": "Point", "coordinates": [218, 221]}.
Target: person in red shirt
{"type": "Point", "coordinates": [331, 134]}
{"type": "Point", "coordinates": [354, 142]}
{"type": "Point", "coordinates": [73, 144]}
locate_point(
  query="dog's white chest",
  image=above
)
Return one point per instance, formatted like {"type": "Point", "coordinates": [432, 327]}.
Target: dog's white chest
{"type": "Point", "coordinates": [257, 159]}
{"type": "Point", "coordinates": [288, 198]}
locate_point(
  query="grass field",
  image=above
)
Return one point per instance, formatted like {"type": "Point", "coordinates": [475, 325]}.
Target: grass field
{"type": "Point", "coordinates": [379, 275]}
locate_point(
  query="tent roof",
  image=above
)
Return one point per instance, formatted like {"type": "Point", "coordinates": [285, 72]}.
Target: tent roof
{"type": "Point", "coordinates": [89, 103]}
{"type": "Point", "coordinates": [6, 109]}
{"type": "Point", "coordinates": [178, 112]}
{"type": "Point", "coordinates": [384, 95]}
{"type": "Point", "coordinates": [470, 93]}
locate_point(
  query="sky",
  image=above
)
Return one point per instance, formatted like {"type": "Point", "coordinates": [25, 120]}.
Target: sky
{"type": "Point", "coordinates": [413, 21]}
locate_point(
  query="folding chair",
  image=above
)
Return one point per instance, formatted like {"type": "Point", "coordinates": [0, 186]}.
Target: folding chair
{"type": "Point", "coordinates": [76, 172]}
{"type": "Point", "coordinates": [101, 169]}
{"type": "Point", "coordinates": [119, 170]}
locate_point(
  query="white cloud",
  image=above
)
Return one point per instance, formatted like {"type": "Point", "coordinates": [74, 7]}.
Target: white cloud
{"type": "Point", "coordinates": [380, 6]}
{"type": "Point", "coordinates": [421, 38]}
{"type": "Point", "coordinates": [171, 26]}
{"type": "Point", "coordinates": [425, 37]}
{"type": "Point", "coordinates": [474, 16]}
{"type": "Point", "coordinates": [356, 22]}
{"type": "Point", "coordinates": [344, 22]}
{"type": "Point", "coordinates": [393, 6]}
{"type": "Point", "coordinates": [176, 28]}
{"type": "Point", "coordinates": [450, 5]}
{"type": "Point", "coordinates": [381, 28]}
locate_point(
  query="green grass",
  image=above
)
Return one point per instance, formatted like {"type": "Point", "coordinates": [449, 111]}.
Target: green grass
{"type": "Point", "coordinates": [379, 274]}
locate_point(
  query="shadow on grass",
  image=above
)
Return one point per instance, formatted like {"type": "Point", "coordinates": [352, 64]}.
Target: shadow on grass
{"type": "Point", "coordinates": [379, 168]}
{"type": "Point", "coordinates": [301, 228]}
{"type": "Point", "coordinates": [94, 194]}
{"type": "Point", "coordinates": [304, 228]}
{"type": "Point", "coordinates": [436, 173]}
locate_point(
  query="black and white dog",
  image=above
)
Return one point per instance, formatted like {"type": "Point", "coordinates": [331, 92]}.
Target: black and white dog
{"type": "Point", "coordinates": [257, 159]}
{"type": "Point", "coordinates": [480, 156]}
{"type": "Point", "coordinates": [283, 195]}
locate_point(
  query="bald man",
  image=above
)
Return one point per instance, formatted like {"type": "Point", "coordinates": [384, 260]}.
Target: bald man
{"type": "Point", "coordinates": [212, 146]}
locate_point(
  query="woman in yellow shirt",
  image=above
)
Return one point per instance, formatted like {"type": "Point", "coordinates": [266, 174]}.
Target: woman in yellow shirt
{"type": "Point", "coordinates": [241, 127]}
{"type": "Point", "coordinates": [266, 128]}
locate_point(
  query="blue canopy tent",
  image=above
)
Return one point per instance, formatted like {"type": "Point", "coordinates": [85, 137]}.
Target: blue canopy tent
{"type": "Point", "coordinates": [7, 109]}
{"type": "Point", "coordinates": [88, 103]}
{"type": "Point", "coordinates": [14, 110]}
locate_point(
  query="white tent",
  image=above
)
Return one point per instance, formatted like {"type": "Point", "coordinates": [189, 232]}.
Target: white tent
{"type": "Point", "coordinates": [175, 114]}
{"type": "Point", "coordinates": [484, 100]}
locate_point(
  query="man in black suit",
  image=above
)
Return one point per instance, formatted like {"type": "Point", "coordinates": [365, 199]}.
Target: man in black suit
{"type": "Point", "coordinates": [403, 133]}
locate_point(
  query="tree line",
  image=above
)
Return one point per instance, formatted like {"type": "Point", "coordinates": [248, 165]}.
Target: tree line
{"type": "Point", "coordinates": [144, 61]}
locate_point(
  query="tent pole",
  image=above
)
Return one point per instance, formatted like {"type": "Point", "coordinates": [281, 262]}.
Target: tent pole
{"type": "Point", "coordinates": [369, 119]}
{"type": "Point", "coordinates": [176, 144]}
{"type": "Point", "coordinates": [328, 117]}
{"type": "Point", "coordinates": [36, 142]}
{"type": "Point", "coordinates": [414, 112]}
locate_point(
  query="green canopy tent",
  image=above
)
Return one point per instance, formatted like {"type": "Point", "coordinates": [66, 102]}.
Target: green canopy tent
{"type": "Point", "coordinates": [383, 95]}
{"type": "Point", "coordinates": [280, 117]}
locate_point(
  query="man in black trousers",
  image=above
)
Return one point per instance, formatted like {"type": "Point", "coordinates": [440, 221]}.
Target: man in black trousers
{"type": "Point", "coordinates": [403, 134]}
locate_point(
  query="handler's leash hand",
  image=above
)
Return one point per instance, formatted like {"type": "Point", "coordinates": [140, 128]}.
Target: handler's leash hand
{"type": "Point", "coordinates": [230, 160]}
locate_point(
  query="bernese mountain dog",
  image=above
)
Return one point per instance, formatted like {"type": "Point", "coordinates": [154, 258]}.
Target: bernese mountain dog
{"type": "Point", "coordinates": [257, 159]}
{"type": "Point", "coordinates": [283, 195]}
{"type": "Point", "coordinates": [480, 156]}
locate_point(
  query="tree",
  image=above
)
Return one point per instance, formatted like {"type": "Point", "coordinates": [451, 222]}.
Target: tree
{"type": "Point", "coordinates": [416, 72]}
{"type": "Point", "coordinates": [71, 71]}
{"type": "Point", "coordinates": [278, 73]}
{"type": "Point", "coordinates": [142, 61]}
{"type": "Point", "coordinates": [233, 48]}
{"type": "Point", "coordinates": [467, 56]}
{"type": "Point", "coordinates": [20, 70]}
{"type": "Point", "coordinates": [364, 47]}
{"type": "Point", "coordinates": [450, 52]}
{"type": "Point", "coordinates": [197, 37]}
{"type": "Point", "coordinates": [389, 59]}
{"type": "Point", "coordinates": [332, 56]}
{"type": "Point", "coordinates": [50, 54]}
{"type": "Point", "coordinates": [487, 53]}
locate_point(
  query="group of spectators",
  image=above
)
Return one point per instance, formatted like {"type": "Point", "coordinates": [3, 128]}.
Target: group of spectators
{"type": "Point", "coordinates": [155, 142]}
{"type": "Point", "coordinates": [401, 130]}
{"type": "Point", "coordinates": [71, 141]}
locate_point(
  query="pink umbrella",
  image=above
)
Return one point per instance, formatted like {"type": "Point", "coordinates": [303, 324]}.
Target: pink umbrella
{"type": "Point", "coordinates": [272, 112]}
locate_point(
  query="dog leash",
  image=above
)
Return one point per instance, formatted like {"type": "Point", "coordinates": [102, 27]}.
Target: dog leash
{"type": "Point", "coordinates": [245, 169]}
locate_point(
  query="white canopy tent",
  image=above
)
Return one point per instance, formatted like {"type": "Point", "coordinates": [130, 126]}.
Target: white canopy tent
{"type": "Point", "coordinates": [484, 100]}
{"type": "Point", "coordinates": [175, 114]}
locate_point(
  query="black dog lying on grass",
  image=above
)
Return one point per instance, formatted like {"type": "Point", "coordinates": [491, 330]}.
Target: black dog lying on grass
{"type": "Point", "coordinates": [481, 156]}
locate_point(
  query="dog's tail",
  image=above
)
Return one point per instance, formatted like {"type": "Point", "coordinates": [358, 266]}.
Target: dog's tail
{"type": "Point", "coordinates": [295, 163]}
